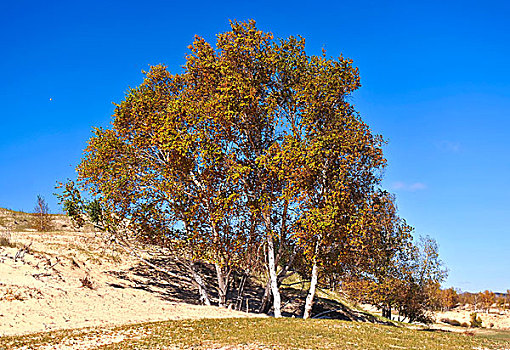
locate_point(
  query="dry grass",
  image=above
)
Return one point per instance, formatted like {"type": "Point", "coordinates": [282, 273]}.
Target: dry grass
{"type": "Point", "coordinates": [268, 333]}
{"type": "Point", "coordinates": [6, 240]}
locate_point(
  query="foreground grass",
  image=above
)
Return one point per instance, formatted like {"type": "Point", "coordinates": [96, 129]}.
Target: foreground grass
{"type": "Point", "coordinates": [263, 333]}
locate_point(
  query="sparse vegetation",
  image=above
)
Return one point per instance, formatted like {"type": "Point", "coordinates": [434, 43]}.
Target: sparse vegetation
{"type": "Point", "coordinates": [261, 334]}
{"type": "Point", "coordinates": [42, 217]}
{"type": "Point", "coordinates": [5, 239]}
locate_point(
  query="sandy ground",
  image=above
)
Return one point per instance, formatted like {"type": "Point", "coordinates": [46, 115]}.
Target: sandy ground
{"type": "Point", "coordinates": [43, 290]}
{"type": "Point", "coordinates": [498, 319]}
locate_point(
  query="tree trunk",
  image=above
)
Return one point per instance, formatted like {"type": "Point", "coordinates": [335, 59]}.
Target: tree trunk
{"type": "Point", "coordinates": [240, 292]}
{"type": "Point", "coordinates": [202, 289]}
{"type": "Point", "coordinates": [222, 285]}
{"type": "Point", "coordinates": [271, 264]}
{"type": "Point", "coordinates": [265, 303]}
{"type": "Point", "coordinates": [386, 312]}
{"type": "Point", "coordinates": [311, 292]}
{"type": "Point", "coordinates": [273, 277]}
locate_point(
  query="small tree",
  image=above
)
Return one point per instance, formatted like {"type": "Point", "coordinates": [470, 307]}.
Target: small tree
{"type": "Point", "coordinates": [42, 220]}
{"type": "Point", "coordinates": [449, 298]}
{"type": "Point", "coordinates": [487, 298]}
{"type": "Point", "coordinates": [500, 302]}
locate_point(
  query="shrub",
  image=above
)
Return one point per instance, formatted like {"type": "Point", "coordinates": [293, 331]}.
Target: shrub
{"type": "Point", "coordinates": [11, 294]}
{"type": "Point", "coordinates": [476, 321]}
{"type": "Point", "coordinates": [86, 282]}
{"type": "Point", "coordinates": [5, 240]}
{"type": "Point", "coordinates": [465, 324]}
{"type": "Point", "coordinates": [42, 218]}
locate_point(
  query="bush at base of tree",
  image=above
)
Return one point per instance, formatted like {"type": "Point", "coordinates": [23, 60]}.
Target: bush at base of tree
{"type": "Point", "coordinates": [476, 321]}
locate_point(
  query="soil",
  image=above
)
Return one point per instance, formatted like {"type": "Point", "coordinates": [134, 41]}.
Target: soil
{"type": "Point", "coordinates": [70, 280]}
{"type": "Point", "coordinates": [494, 319]}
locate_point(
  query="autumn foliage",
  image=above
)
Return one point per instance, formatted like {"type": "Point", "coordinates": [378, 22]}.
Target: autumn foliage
{"type": "Point", "coordinates": [252, 160]}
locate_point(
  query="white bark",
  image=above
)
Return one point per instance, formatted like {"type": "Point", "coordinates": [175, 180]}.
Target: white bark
{"type": "Point", "coordinates": [311, 292]}
{"type": "Point", "coordinates": [273, 277]}
{"type": "Point", "coordinates": [202, 289]}
{"type": "Point", "coordinates": [222, 286]}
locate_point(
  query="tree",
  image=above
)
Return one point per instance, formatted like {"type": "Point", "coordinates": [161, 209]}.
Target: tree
{"type": "Point", "coordinates": [487, 298]}
{"type": "Point", "coordinates": [407, 281]}
{"type": "Point", "coordinates": [467, 298]}
{"type": "Point", "coordinates": [500, 302]}
{"type": "Point", "coordinates": [382, 267]}
{"type": "Point", "coordinates": [427, 272]}
{"type": "Point", "coordinates": [328, 160]}
{"type": "Point", "coordinates": [250, 158]}
{"type": "Point", "coordinates": [42, 219]}
{"type": "Point", "coordinates": [449, 298]}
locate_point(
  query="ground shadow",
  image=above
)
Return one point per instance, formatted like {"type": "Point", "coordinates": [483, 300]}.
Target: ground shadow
{"type": "Point", "coordinates": [145, 277]}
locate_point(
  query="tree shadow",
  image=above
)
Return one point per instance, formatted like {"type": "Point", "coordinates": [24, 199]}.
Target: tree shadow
{"type": "Point", "coordinates": [324, 308]}
{"type": "Point", "coordinates": [144, 277]}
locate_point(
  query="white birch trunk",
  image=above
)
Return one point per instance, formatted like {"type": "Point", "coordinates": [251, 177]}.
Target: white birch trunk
{"type": "Point", "coordinates": [202, 289]}
{"type": "Point", "coordinates": [222, 286]}
{"type": "Point", "coordinates": [311, 292]}
{"type": "Point", "coordinates": [273, 277]}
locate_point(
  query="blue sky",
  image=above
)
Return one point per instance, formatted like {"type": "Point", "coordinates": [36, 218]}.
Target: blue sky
{"type": "Point", "coordinates": [436, 85]}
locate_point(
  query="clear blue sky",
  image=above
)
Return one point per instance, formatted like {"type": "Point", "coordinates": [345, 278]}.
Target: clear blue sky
{"type": "Point", "coordinates": [436, 85]}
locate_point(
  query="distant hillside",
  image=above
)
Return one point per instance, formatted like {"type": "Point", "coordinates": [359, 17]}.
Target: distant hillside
{"type": "Point", "coordinates": [13, 220]}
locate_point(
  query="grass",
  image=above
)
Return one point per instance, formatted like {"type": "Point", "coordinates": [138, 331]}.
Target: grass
{"type": "Point", "coordinates": [262, 333]}
{"type": "Point", "coordinates": [494, 334]}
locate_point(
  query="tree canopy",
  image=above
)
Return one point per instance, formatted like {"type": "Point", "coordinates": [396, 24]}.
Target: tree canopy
{"type": "Point", "coordinates": [251, 159]}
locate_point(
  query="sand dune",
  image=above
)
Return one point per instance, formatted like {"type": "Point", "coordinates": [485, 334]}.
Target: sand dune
{"type": "Point", "coordinates": [43, 290]}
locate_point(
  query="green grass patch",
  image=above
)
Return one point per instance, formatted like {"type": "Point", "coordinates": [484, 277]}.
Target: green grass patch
{"type": "Point", "coordinates": [263, 333]}
{"type": "Point", "coordinates": [494, 334]}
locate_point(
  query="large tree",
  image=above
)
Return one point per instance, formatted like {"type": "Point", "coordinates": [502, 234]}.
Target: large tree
{"type": "Point", "coordinates": [332, 162]}
{"type": "Point", "coordinates": [252, 148]}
